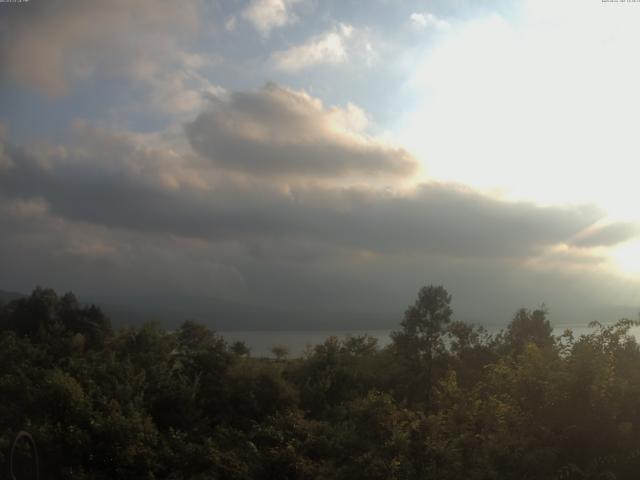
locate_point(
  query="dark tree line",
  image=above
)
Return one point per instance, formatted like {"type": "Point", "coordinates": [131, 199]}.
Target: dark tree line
{"type": "Point", "coordinates": [445, 400]}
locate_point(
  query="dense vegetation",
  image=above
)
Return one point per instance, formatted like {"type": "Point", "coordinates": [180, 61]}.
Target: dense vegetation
{"type": "Point", "coordinates": [445, 400]}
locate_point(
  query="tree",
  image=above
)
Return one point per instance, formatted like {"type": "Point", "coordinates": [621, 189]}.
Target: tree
{"type": "Point", "coordinates": [240, 349]}
{"type": "Point", "coordinates": [529, 327]}
{"type": "Point", "coordinates": [33, 314]}
{"type": "Point", "coordinates": [421, 337]}
{"type": "Point", "coordinates": [470, 350]}
{"type": "Point", "coordinates": [280, 352]}
{"type": "Point", "coordinates": [56, 321]}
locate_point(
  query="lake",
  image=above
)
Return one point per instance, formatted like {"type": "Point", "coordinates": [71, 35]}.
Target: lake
{"type": "Point", "coordinates": [261, 342]}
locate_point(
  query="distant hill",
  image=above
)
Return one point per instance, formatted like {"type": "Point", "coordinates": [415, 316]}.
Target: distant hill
{"type": "Point", "coordinates": [220, 314]}
{"type": "Point", "coordinates": [172, 309]}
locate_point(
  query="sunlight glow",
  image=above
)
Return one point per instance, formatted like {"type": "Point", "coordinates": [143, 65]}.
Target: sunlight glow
{"type": "Point", "coordinates": [626, 258]}
{"type": "Point", "coordinates": [541, 107]}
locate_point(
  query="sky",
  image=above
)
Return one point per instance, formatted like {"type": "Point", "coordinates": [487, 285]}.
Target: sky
{"type": "Point", "coordinates": [309, 164]}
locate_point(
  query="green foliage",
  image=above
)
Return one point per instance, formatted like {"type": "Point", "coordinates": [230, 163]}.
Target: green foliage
{"type": "Point", "coordinates": [424, 325]}
{"type": "Point", "coordinates": [445, 400]}
{"type": "Point", "coordinates": [280, 352]}
{"type": "Point", "coordinates": [421, 341]}
{"type": "Point", "coordinates": [240, 349]}
{"type": "Point", "coordinates": [529, 327]}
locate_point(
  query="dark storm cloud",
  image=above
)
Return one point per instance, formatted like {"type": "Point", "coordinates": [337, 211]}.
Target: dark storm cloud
{"type": "Point", "coordinates": [110, 181]}
{"type": "Point", "coordinates": [282, 132]}
{"type": "Point", "coordinates": [230, 287]}
{"type": "Point", "coordinates": [441, 219]}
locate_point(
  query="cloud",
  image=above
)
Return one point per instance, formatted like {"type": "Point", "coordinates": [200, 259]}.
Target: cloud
{"type": "Point", "coordinates": [50, 45]}
{"type": "Point", "coordinates": [5, 161]}
{"type": "Point", "coordinates": [440, 219]}
{"type": "Point", "coordinates": [281, 132]}
{"type": "Point", "coordinates": [112, 181]}
{"type": "Point", "coordinates": [328, 48]}
{"type": "Point", "coordinates": [230, 23]}
{"type": "Point", "coordinates": [267, 15]}
{"type": "Point", "coordinates": [272, 197]}
{"type": "Point", "coordinates": [304, 283]}
{"type": "Point", "coordinates": [116, 263]}
{"type": "Point", "coordinates": [607, 235]}
{"type": "Point", "coordinates": [567, 257]}
{"type": "Point", "coordinates": [181, 93]}
{"type": "Point", "coordinates": [428, 20]}
{"type": "Point", "coordinates": [132, 215]}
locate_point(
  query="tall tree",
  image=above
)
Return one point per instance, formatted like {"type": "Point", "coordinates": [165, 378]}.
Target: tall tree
{"type": "Point", "coordinates": [421, 338]}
